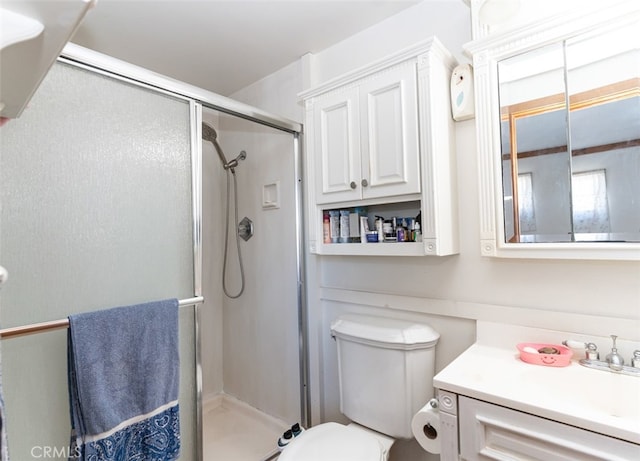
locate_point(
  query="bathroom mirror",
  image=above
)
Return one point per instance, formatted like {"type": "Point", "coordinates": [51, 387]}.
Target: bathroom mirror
{"type": "Point", "coordinates": [558, 129]}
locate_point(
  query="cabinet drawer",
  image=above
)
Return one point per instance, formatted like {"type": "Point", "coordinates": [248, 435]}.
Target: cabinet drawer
{"type": "Point", "coordinates": [492, 432]}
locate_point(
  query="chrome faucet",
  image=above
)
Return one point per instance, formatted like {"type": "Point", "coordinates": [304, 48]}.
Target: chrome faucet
{"type": "Point", "coordinates": [615, 360]}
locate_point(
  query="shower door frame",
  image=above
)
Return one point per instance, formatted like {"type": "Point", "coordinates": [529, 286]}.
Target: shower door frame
{"type": "Point", "coordinates": [97, 62]}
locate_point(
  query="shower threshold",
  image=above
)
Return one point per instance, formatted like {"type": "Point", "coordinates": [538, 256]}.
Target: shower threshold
{"type": "Point", "coordinates": [234, 430]}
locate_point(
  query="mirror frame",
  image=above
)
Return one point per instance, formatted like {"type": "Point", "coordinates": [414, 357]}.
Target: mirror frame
{"type": "Point", "coordinates": [486, 54]}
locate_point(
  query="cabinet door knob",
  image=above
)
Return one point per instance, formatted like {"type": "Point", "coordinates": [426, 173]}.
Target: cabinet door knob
{"type": "Point", "coordinates": [353, 184]}
{"type": "Point", "coordinates": [365, 183]}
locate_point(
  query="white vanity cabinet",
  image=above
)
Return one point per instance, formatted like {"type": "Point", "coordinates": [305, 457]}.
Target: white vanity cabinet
{"type": "Point", "coordinates": [383, 135]}
{"type": "Point", "coordinates": [493, 432]}
{"type": "Point", "coordinates": [366, 138]}
{"type": "Point", "coordinates": [495, 406]}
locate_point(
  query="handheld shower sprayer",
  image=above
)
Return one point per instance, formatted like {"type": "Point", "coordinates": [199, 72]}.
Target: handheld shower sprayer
{"type": "Point", "coordinates": [209, 133]}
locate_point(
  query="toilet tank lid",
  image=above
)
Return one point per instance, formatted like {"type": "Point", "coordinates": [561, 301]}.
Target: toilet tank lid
{"type": "Point", "coordinates": [384, 332]}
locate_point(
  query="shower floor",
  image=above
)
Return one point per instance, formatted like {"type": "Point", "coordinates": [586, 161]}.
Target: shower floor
{"type": "Point", "coordinates": [233, 430]}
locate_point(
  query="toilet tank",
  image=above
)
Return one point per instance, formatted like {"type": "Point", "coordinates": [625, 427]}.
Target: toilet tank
{"type": "Point", "coordinates": [386, 369]}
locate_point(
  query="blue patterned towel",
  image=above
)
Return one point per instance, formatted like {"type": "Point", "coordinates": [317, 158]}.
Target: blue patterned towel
{"type": "Point", "coordinates": [123, 383]}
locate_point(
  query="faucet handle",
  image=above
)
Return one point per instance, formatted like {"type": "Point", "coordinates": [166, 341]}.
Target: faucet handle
{"type": "Point", "coordinates": [590, 349]}
{"type": "Point", "coordinates": [635, 360]}
{"type": "Point", "coordinates": [574, 344]}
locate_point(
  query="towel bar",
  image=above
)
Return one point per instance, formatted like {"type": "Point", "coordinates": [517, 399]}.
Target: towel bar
{"type": "Point", "coordinates": [64, 323]}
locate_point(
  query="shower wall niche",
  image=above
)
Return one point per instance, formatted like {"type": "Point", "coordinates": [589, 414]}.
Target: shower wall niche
{"type": "Point", "coordinates": [382, 137]}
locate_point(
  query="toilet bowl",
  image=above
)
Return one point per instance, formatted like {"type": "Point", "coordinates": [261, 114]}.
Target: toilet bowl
{"type": "Point", "coordinates": [337, 442]}
{"type": "Point", "coordinates": [385, 371]}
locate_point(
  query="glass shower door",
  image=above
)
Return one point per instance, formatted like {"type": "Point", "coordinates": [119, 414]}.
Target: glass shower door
{"type": "Point", "coordinates": [96, 212]}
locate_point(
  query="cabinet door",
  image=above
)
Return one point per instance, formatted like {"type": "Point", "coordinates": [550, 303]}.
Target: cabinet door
{"type": "Point", "coordinates": [389, 133]}
{"type": "Point", "coordinates": [492, 432]}
{"type": "Point", "coordinates": [337, 146]}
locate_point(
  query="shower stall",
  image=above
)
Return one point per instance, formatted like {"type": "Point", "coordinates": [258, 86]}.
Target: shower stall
{"type": "Point", "coordinates": [253, 285]}
{"type": "Point", "coordinates": [115, 187]}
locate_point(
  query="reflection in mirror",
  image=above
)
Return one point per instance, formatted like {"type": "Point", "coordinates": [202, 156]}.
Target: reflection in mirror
{"type": "Point", "coordinates": [570, 132]}
{"type": "Point", "coordinates": [603, 84]}
{"type": "Point", "coordinates": [534, 146]}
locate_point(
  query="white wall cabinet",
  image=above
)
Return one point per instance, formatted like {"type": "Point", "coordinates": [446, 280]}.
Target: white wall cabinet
{"type": "Point", "coordinates": [383, 135]}
{"type": "Point", "coordinates": [366, 143]}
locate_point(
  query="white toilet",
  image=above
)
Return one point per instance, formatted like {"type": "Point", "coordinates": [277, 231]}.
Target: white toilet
{"type": "Point", "coordinates": [386, 369]}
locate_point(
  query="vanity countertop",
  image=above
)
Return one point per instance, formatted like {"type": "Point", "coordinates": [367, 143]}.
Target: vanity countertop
{"type": "Point", "coordinates": [599, 401]}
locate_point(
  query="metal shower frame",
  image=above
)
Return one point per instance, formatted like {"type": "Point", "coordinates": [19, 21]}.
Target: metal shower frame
{"type": "Point", "coordinates": [199, 98]}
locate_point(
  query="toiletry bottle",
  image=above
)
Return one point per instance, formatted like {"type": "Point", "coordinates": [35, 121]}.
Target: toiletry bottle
{"type": "Point", "coordinates": [364, 228]}
{"type": "Point", "coordinates": [334, 222]}
{"type": "Point", "coordinates": [326, 227]}
{"type": "Point", "coordinates": [417, 234]}
{"type": "Point", "coordinates": [407, 232]}
{"type": "Point", "coordinates": [389, 233]}
{"type": "Point", "coordinates": [380, 228]}
{"type": "Point", "coordinates": [345, 231]}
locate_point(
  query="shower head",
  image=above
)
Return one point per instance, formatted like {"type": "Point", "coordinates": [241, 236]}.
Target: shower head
{"type": "Point", "coordinates": [210, 134]}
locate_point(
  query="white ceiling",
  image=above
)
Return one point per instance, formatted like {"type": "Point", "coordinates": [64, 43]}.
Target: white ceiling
{"type": "Point", "coordinates": [224, 45]}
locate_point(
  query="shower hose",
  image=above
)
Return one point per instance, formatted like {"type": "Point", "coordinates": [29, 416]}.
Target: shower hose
{"type": "Point", "coordinates": [226, 238]}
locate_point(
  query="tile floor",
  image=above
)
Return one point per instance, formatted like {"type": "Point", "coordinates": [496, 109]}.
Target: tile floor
{"type": "Point", "coordinates": [235, 431]}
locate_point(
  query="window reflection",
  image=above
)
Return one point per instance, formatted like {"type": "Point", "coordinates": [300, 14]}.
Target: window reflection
{"type": "Point", "coordinates": [525, 203]}
{"type": "Point", "coordinates": [590, 207]}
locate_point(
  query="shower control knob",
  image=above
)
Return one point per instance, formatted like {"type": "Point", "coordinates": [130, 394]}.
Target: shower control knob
{"type": "Point", "coordinates": [353, 184]}
{"type": "Point", "coordinates": [245, 228]}
{"type": "Point", "coordinates": [365, 183]}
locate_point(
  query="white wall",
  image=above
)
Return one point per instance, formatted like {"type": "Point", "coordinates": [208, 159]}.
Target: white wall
{"type": "Point", "coordinates": [450, 293]}
{"type": "Point", "coordinates": [277, 92]}
{"type": "Point", "coordinates": [447, 19]}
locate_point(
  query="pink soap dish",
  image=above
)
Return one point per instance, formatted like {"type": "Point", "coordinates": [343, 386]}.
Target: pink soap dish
{"type": "Point", "coordinates": [560, 359]}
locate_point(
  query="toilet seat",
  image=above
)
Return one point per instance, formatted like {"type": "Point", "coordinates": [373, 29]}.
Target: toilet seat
{"type": "Point", "coordinates": [333, 442]}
